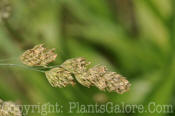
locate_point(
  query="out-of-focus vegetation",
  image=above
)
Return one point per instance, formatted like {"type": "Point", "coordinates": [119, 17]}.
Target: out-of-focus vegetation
{"type": "Point", "coordinates": [135, 38]}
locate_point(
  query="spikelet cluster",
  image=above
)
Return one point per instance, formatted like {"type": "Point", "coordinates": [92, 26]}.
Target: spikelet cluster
{"type": "Point", "coordinates": [59, 77]}
{"type": "Point", "coordinates": [5, 9]}
{"type": "Point", "coordinates": [98, 76]}
{"type": "Point", "coordinates": [76, 65]}
{"type": "Point", "coordinates": [38, 56]}
{"type": "Point", "coordinates": [75, 69]}
{"type": "Point", "coordinates": [8, 108]}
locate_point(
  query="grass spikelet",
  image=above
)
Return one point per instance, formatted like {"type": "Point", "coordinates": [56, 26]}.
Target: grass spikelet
{"type": "Point", "coordinates": [76, 65]}
{"type": "Point", "coordinates": [8, 108]}
{"type": "Point", "coordinates": [83, 79]}
{"type": "Point", "coordinates": [116, 82]}
{"type": "Point", "coordinates": [38, 56]}
{"type": "Point", "coordinates": [96, 74]}
{"type": "Point", "coordinates": [59, 77]}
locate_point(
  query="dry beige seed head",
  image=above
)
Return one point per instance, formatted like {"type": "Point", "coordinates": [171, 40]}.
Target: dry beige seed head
{"type": "Point", "coordinates": [9, 109]}
{"type": "Point", "coordinates": [76, 65]}
{"type": "Point", "coordinates": [59, 77]}
{"type": "Point", "coordinates": [95, 76]}
{"type": "Point", "coordinates": [38, 56]}
{"type": "Point", "coordinates": [5, 9]}
{"type": "Point", "coordinates": [83, 78]}
{"type": "Point", "coordinates": [100, 77]}
{"type": "Point", "coordinates": [116, 82]}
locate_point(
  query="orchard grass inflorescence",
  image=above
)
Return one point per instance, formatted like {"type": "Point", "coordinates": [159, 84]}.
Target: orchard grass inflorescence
{"type": "Point", "coordinates": [63, 75]}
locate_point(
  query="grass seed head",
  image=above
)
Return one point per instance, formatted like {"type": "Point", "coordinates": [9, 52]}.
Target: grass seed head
{"type": "Point", "coordinates": [59, 77]}
{"type": "Point", "coordinates": [98, 76]}
{"type": "Point", "coordinates": [116, 82]}
{"type": "Point", "coordinates": [83, 79]}
{"type": "Point", "coordinates": [95, 75]}
{"type": "Point", "coordinates": [9, 109]}
{"type": "Point", "coordinates": [76, 65]}
{"type": "Point", "coordinates": [103, 79]}
{"type": "Point", "coordinates": [38, 56]}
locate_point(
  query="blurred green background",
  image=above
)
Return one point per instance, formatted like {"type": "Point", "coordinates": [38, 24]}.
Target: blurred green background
{"type": "Point", "coordinates": [135, 38]}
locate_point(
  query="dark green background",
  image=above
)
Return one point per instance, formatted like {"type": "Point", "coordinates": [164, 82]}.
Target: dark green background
{"type": "Point", "coordinates": [135, 38]}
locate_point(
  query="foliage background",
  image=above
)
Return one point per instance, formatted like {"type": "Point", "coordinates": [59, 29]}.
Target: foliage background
{"type": "Point", "coordinates": [132, 37]}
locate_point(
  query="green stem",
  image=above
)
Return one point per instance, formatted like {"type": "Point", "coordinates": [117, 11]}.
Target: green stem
{"type": "Point", "coordinates": [18, 65]}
